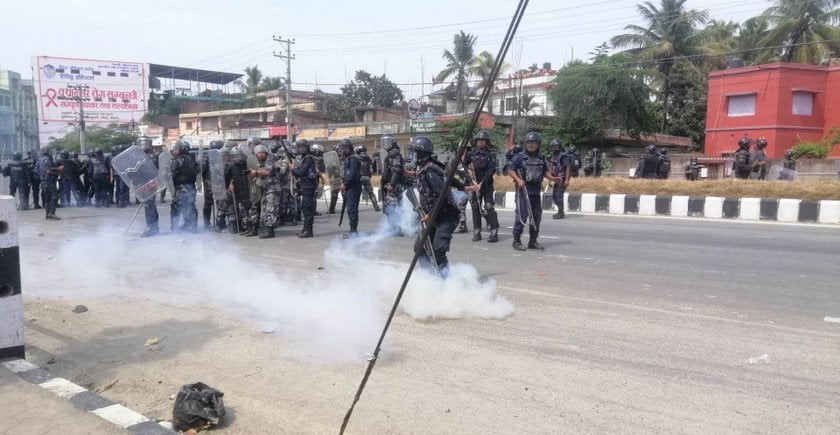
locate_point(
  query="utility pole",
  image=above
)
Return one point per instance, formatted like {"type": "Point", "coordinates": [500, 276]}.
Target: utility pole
{"type": "Point", "coordinates": [288, 57]}
{"type": "Point", "coordinates": [80, 88]}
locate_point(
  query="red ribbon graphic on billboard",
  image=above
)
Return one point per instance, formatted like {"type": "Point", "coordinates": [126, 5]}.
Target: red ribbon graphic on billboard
{"type": "Point", "coordinates": [50, 93]}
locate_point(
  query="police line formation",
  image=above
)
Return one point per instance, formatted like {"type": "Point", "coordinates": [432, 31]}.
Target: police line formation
{"type": "Point", "coordinates": [251, 189]}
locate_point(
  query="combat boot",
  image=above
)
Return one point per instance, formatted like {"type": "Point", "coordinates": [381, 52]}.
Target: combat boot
{"type": "Point", "coordinates": [477, 235]}
{"type": "Point", "coordinates": [305, 233]}
{"type": "Point", "coordinates": [559, 215]}
{"type": "Point", "coordinates": [265, 232]}
{"type": "Point", "coordinates": [250, 233]}
{"type": "Point", "coordinates": [149, 232]}
{"type": "Point", "coordinates": [494, 236]}
{"type": "Point", "coordinates": [532, 241]}
{"type": "Point", "coordinates": [517, 244]}
{"type": "Point", "coordinates": [462, 228]}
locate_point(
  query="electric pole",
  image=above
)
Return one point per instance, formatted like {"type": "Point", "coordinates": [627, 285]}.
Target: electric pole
{"type": "Point", "coordinates": [288, 57]}
{"type": "Point", "coordinates": [80, 101]}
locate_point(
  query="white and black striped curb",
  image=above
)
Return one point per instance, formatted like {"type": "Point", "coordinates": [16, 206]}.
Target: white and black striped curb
{"type": "Point", "coordinates": [88, 401]}
{"type": "Point", "coordinates": [745, 209]}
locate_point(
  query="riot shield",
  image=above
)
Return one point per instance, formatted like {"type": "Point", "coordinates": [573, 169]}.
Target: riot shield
{"type": "Point", "coordinates": [165, 170]}
{"type": "Point", "coordinates": [217, 173]}
{"type": "Point", "coordinates": [138, 171]}
{"type": "Point", "coordinates": [333, 166]}
{"type": "Point", "coordinates": [781, 173]}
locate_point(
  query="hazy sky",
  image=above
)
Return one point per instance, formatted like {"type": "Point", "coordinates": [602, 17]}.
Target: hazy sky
{"type": "Point", "coordinates": [404, 39]}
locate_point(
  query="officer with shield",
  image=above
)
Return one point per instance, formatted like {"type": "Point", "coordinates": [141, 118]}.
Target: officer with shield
{"type": "Point", "coordinates": [236, 175]}
{"type": "Point", "coordinates": [334, 171]}
{"type": "Point", "coordinates": [351, 185]}
{"type": "Point", "coordinates": [366, 171]}
{"type": "Point", "coordinates": [121, 191]}
{"type": "Point", "coordinates": [149, 208]}
{"type": "Point", "coordinates": [393, 180]}
{"type": "Point", "coordinates": [207, 185]}
{"type": "Point", "coordinates": [527, 169]}
{"type": "Point", "coordinates": [307, 173]}
{"type": "Point", "coordinates": [482, 164]}
{"type": "Point", "coordinates": [184, 173]}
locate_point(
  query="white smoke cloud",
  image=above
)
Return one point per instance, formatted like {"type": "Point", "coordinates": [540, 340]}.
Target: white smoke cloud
{"type": "Point", "coordinates": [335, 313]}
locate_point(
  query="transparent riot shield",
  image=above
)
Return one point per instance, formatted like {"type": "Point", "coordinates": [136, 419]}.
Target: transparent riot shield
{"type": "Point", "coordinates": [138, 171]}
{"type": "Point", "coordinates": [217, 173]}
{"type": "Point", "coordinates": [165, 170]}
{"type": "Point", "coordinates": [333, 166]}
{"type": "Point", "coordinates": [781, 173]}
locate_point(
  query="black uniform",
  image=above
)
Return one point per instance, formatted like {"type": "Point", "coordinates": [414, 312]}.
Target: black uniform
{"type": "Point", "coordinates": [483, 164]}
{"type": "Point", "coordinates": [559, 163]}
{"type": "Point", "coordinates": [184, 174]}
{"type": "Point", "coordinates": [149, 208]}
{"type": "Point", "coordinates": [307, 174]}
{"type": "Point", "coordinates": [50, 171]}
{"type": "Point", "coordinates": [531, 168]}
{"type": "Point", "coordinates": [366, 171]}
{"type": "Point", "coordinates": [351, 179]}
{"type": "Point", "coordinates": [19, 176]}
{"type": "Point", "coordinates": [648, 165]}
{"type": "Point", "coordinates": [430, 181]}
{"type": "Point", "coordinates": [35, 178]}
{"type": "Point", "coordinates": [392, 184]}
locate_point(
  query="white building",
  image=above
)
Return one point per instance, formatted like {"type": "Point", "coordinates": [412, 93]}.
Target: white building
{"type": "Point", "coordinates": [509, 90]}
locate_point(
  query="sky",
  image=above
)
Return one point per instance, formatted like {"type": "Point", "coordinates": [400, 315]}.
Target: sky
{"type": "Point", "coordinates": [333, 39]}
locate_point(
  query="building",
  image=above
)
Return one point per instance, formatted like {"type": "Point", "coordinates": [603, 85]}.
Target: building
{"type": "Point", "coordinates": [783, 102]}
{"type": "Point", "coordinates": [509, 91]}
{"type": "Point", "coordinates": [18, 114]}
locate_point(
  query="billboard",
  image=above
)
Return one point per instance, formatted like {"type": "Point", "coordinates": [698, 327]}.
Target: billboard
{"type": "Point", "coordinates": [110, 92]}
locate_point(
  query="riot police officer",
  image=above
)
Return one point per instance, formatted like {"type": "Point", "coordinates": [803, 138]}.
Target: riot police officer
{"type": "Point", "coordinates": [18, 173]}
{"type": "Point", "coordinates": [393, 180]}
{"type": "Point", "coordinates": [351, 185]}
{"type": "Point", "coordinates": [184, 173]}
{"type": "Point", "coordinates": [594, 163]}
{"type": "Point", "coordinates": [366, 171]}
{"type": "Point", "coordinates": [121, 191]}
{"type": "Point", "coordinates": [150, 212]}
{"type": "Point", "coordinates": [100, 176]}
{"type": "Point", "coordinates": [236, 175]}
{"type": "Point", "coordinates": [481, 163]}
{"type": "Point", "coordinates": [759, 159]}
{"type": "Point", "coordinates": [50, 171]}
{"type": "Point", "coordinates": [648, 164]}
{"type": "Point", "coordinates": [741, 166]}
{"type": "Point", "coordinates": [527, 169]}
{"type": "Point", "coordinates": [267, 180]}
{"type": "Point", "coordinates": [692, 169]}
{"type": "Point", "coordinates": [429, 180]}
{"type": "Point", "coordinates": [307, 173]}
{"type": "Point", "coordinates": [560, 165]}
{"type": "Point", "coordinates": [207, 187]}
{"type": "Point", "coordinates": [34, 178]}
{"type": "Point", "coordinates": [664, 165]}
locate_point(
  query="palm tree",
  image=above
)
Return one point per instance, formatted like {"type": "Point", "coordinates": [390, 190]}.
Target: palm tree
{"type": "Point", "coordinates": [718, 41]}
{"type": "Point", "coordinates": [750, 35]}
{"type": "Point", "coordinates": [670, 33]}
{"type": "Point", "coordinates": [527, 104]}
{"type": "Point", "coordinates": [269, 83]}
{"type": "Point", "coordinates": [253, 78]}
{"type": "Point", "coordinates": [482, 67]}
{"type": "Point", "coordinates": [804, 29]}
{"type": "Point", "coordinates": [459, 62]}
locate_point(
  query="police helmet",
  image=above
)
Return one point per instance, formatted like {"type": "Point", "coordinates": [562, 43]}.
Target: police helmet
{"type": "Point", "coordinates": [261, 149]}
{"type": "Point", "coordinates": [317, 150]}
{"type": "Point", "coordinates": [516, 149]}
{"type": "Point", "coordinates": [744, 142]}
{"type": "Point", "coordinates": [389, 142]}
{"type": "Point", "coordinates": [236, 153]}
{"type": "Point", "coordinates": [360, 149]}
{"type": "Point", "coordinates": [303, 146]}
{"type": "Point", "coordinates": [345, 147]}
{"type": "Point", "coordinates": [64, 155]}
{"type": "Point", "coordinates": [175, 147]}
{"type": "Point", "coordinates": [788, 154]}
{"type": "Point", "coordinates": [91, 153]}
{"type": "Point", "coordinates": [74, 155]}
{"type": "Point", "coordinates": [254, 141]}
{"type": "Point", "coordinates": [555, 144]}
{"type": "Point", "coordinates": [98, 152]}
{"type": "Point", "coordinates": [17, 157]}
{"type": "Point", "coordinates": [483, 135]}
{"type": "Point", "coordinates": [692, 160]}
{"type": "Point", "coordinates": [651, 148]}
{"type": "Point", "coordinates": [422, 146]}
{"type": "Point", "coordinates": [533, 137]}
{"type": "Point", "coordinates": [143, 141]}
{"type": "Point", "coordinates": [276, 147]}
{"type": "Point", "coordinates": [761, 143]}
{"type": "Point", "coordinates": [572, 148]}
{"type": "Point", "coordinates": [225, 151]}
{"type": "Point", "coordinates": [216, 144]}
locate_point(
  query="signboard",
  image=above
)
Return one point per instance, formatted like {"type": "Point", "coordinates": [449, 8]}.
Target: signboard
{"type": "Point", "coordinates": [108, 91]}
{"type": "Point", "coordinates": [313, 133]}
{"type": "Point", "coordinates": [347, 132]}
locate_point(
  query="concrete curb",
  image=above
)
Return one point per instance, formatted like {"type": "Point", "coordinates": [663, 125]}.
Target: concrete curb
{"type": "Point", "coordinates": [88, 401]}
{"type": "Point", "coordinates": [744, 209]}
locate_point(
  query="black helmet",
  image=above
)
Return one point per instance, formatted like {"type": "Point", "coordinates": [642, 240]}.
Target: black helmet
{"type": "Point", "coordinates": [744, 142]}
{"type": "Point", "coordinates": [422, 145]}
{"type": "Point", "coordinates": [145, 143]}
{"type": "Point", "coordinates": [345, 147]}
{"type": "Point", "coordinates": [275, 147]}
{"type": "Point", "coordinates": [788, 154]}
{"type": "Point", "coordinates": [317, 150]}
{"type": "Point", "coordinates": [556, 144]}
{"type": "Point", "coordinates": [91, 153]}
{"type": "Point", "coordinates": [175, 147]}
{"type": "Point", "coordinates": [693, 160]}
{"type": "Point", "coordinates": [651, 148]}
{"type": "Point", "coordinates": [99, 152]}
{"type": "Point", "coordinates": [533, 137]}
{"type": "Point", "coordinates": [64, 155]}
{"type": "Point", "coordinates": [216, 144]}
{"type": "Point", "coordinates": [388, 142]}
{"type": "Point", "coordinates": [17, 157]}
{"type": "Point", "coordinates": [483, 135]}
{"type": "Point", "coordinates": [761, 143]}
{"type": "Point", "coordinates": [302, 146]}
{"type": "Point", "coordinates": [114, 150]}
{"type": "Point", "coordinates": [360, 149]}
{"type": "Point", "coordinates": [516, 149]}
{"type": "Point", "coordinates": [74, 155]}
{"type": "Point", "coordinates": [254, 141]}
{"type": "Point", "coordinates": [236, 153]}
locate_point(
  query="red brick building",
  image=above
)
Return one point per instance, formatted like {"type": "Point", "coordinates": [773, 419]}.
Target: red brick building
{"type": "Point", "coordinates": [786, 103]}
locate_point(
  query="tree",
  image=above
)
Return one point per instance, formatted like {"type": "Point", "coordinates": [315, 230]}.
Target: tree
{"type": "Point", "coordinates": [455, 130]}
{"type": "Point", "coordinates": [269, 83]}
{"type": "Point", "coordinates": [482, 67]}
{"type": "Point", "coordinates": [670, 33]}
{"type": "Point", "coordinates": [95, 137]}
{"type": "Point", "coordinates": [527, 104]}
{"type": "Point", "coordinates": [804, 29]}
{"type": "Point", "coordinates": [364, 90]}
{"type": "Point", "coordinates": [718, 41]}
{"type": "Point", "coordinates": [253, 79]}
{"type": "Point", "coordinates": [689, 88]}
{"type": "Point", "coordinates": [460, 60]}
{"type": "Point", "coordinates": [592, 98]}
{"type": "Point", "coordinates": [750, 35]}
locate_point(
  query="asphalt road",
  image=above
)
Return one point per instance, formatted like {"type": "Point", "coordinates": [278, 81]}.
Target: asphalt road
{"type": "Point", "coordinates": [623, 324]}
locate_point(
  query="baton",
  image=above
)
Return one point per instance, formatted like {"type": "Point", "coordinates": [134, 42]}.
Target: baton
{"type": "Point", "coordinates": [343, 207]}
{"type": "Point", "coordinates": [136, 212]}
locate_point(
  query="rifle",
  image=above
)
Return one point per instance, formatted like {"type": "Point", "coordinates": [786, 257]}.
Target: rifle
{"type": "Point", "coordinates": [523, 193]}
{"type": "Point", "coordinates": [343, 208]}
{"type": "Point", "coordinates": [427, 246]}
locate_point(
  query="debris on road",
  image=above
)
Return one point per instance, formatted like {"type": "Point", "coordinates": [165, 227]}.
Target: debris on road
{"type": "Point", "coordinates": [763, 359]}
{"type": "Point", "coordinates": [80, 309]}
{"type": "Point", "coordinates": [151, 341]}
{"type": "Point", "coordinates": [198, 406]}
{"type": "Point", "coordinates": [107, 387]}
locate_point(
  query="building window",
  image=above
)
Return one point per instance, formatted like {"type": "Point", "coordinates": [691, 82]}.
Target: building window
{"type": "Point", "coordinates": [510, 103]}
{"type": "Point", "coordinates": [502, 106]}
{"type": "Point", "coordinates": [803, 103]}
{"type": "Point", "coordinates": [741, 105]}
{"type": "Point", "coordinates": [189, 125]}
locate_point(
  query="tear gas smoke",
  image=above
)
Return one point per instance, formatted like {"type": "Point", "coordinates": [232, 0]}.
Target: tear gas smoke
{"type": "Point", "coordinates": [331, 314]}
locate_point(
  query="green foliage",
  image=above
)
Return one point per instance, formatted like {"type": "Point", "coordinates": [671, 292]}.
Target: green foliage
{"type": "Point", "coordinates": [456, 128]}
{"type": "Point", "coordinates": [592, 98]}
{"type": "Point", "coordinates": [95, 137]}
{"type": "Point", "coordinates": [814, 150]}
{"type": "Point", "coordinates": [364, 90]}
{"type": "Point", "coordinates": [688, 90]}
{"type": "Point", "coordinates": [459, 63]}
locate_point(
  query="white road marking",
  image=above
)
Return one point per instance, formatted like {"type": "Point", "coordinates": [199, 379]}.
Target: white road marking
{"type": "Point", "coordinates": [831, 319]}
{"type": "Point", "coordinates": [62, 387]}
{"type": "Point", "coordinates": [120, 415]}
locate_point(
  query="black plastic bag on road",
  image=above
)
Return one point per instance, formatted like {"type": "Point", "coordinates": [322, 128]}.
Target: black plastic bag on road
{"type": "Point", "coordinates": [198, 405]}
